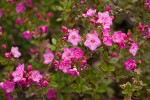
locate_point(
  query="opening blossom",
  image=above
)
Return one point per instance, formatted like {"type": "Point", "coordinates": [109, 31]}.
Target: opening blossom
{"type": "Point", "coordinates": [48, 57]}
{"type": "Point", "coordinates": [15, 52]}
{"type": "Point", "coordinates": [51, 94]}
{"type": "Point", "coordinates": [118, 37]}
{"type": "Point", "coordinates": [20, 8]}
{"type": "Point", "coordinates": [105, 19]}
{"type": "Point", "coordinates": [130, 64]}
{"type": "Point", "coordinates": [92, 41]}
{"type": "Point", "coordinates": [27, 35]}
{"type": "Point", "coordinates": [8, 86]}
{"type": "Point", "coordinates": [107, 40]}
{"type": "Point", "coordinates": [134, 49]}
{"type": "Point", "coordinates": [35, 76]}
{"type": "Point", "coordinates": [18, 73]}
{"type": "Point", "coordinates": [89, 13]}
{"type": "Point", "coordinates": [74, 38]}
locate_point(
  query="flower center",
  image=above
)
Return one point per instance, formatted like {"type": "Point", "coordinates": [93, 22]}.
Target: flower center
{"type": "Point", "coordinates": [92, 40]}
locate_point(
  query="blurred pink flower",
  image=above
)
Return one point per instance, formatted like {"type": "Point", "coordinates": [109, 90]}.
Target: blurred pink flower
{"type": "Point", "coordinates": [107, 40]}
{"type": "Point", "coordinates": [89, 13]}
{"type": "Point", "coordinates": [51, 94]}
{"type": "Point", "coordinates": [74, 38]}
{"type": "Point", "coordinates": [68, 53]}
{"type": "Point", "coordinates": [20, 8]}
{"type": "Point", "coordinates": [27, 35]}
{"type": "Point", "coordinates": [35, 76]}
{"type": "Point", "coordinates": [44, 28]}
{"type": "Point", "coordinates": [130, 64]}
{"type": "Point", "coordinates": [8, 86]}
{"type": "Point", "coordinates": [15, 52]}
{"type": "Point", "coordinates": [18, 73]}
{"type": "Point", "coordinates": [105, 19]}
{"type": "Point", "coordinates": [73, 72]}
{"type": "Point", "coordinates": [118, 37]}
{"type": "Point", "coordinates": [64, 65]}
{"type": "Point", "coordinates": [48, 57]}
{"type": "Point", "coordinates": [134, 48]}
{"type": "Point", "coordinates": [78, 54]}
{"type": "Point", "coordinates": [1, 13]}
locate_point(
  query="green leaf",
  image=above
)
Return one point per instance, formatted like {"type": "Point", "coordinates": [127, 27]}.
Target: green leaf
{"type": "Point", "coordinates": [110, 68]}
{"type": "Point", "coordinates": [3, 61]}
{"type": "Point", "coordinates": [54, 41]}
{"type": "Point", "coordinates": [53, 84]}
{"type": "Point", "coordinates": [104, 67]}
{"type": "Point", "coordinates": [114, 60]}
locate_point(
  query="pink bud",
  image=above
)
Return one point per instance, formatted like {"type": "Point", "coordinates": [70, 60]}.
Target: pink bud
{"type": "Point", "coordinates": [29, 68]}
{"type": "Point", "coordinates": [58, 54]}
{"type": "Point", "coordinates": [19, 21]}
{"type": "Point", "coordinates": [108, 8]}
{"type": "Point", "coordinates": [128, 34]}
{"type": "Point", "coordinates": [92, 21]}
{"type": "Point", "coordinates": [114, 54]}
{"type": "Point", "coordinates": [3, 47]}
{"type": "Point", "coordinates": [7, 55]}
{"type": "Point", "coordinates": [84, 62]}
{"type": "Point", "coordinates": [64, 29]}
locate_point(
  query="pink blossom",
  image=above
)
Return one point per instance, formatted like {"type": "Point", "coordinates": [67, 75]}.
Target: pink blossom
{"type": "Point", "coordinates": [89, 13]}
{"type": "Point", "coordinates": [74, 38]}
{"type": "Point", "coordinates": [106, 32]}
{"type": "Point", "coordinates": [8, 86]}
{"type": "Point", "coordinates": [122, 45]}
{"type": "Point", "coordinates": [134, 48]}
{"type": "Point", "coordinates": [51, 94]}
{"type": "Point", "coordinates": [15, 52]}
{"type": "Point", "coordinates": [73, 72]}
{"type": "Point", "coordinates": [107, 40]}
{"type": "Point", "coordinates": [44, 28]}
{"type": "Point", "coordinates": [20, 8]}
{"type": "Point", "coordinates": [67, 54]}
{"type": "Point", "coordinates": [64, 65]}
{"type": "Point", "coordinates": [64, 29]}
{"type": "Point", "coordinates": [147, 4]}
{"type": "Point", "coordinates": [1, 13]}
{"type": "Point", "coordinates": [27, 35]}
{"type": "Point", "coordinates": [18, 21]}
{"type": "Point", "coordinates": [9, 96]}
{"type": "Point", "coordinates": [35, 76]}
{"type": "Point", "coordinates": [108, 8]}
{"type": "Point", "coordinates": [48, 57]}
{"type": "Point", "coordinates": [105, 19]}
{"type": "Point", "coordinates": [92, 41]}
{"type": "Point", "coordinates": [130, 64]}
{"type": "Point", "coordinates": [3, 47]}
{"type": "Point", "coordinates": [118, 37]}
{"type": "Point", "coordinates": [18, 73]}
{"type": "Point", "coordinates": [78, 54]}
{"type": "Point", "coordinates": [7, 54]}
{"type": "Point", "coordinates": [29, 3]}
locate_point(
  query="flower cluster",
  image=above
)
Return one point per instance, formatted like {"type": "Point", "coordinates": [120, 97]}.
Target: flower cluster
{"type": "Point", "coordinates": [23, 79]}
{"type": "Point", "coordinates": [70, 58]}
{"type": "Point", "coordinates": [14, 52]}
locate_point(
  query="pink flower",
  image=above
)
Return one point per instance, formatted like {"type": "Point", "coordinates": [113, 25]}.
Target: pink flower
{"type": "Point", "coordinates": [92, 41]}
{"type": "Point", "coordinates": [8, 86]}
{"type": "Point", "coordinates": [48, 57]}
{"type": "Point", "coordinates": [15, 52]}
{"type": "Point", "coordinates": [147, 4]}
{"type": "Point", "coordinates": [108, 8]}
{"type": "Point", "coordinates": [20, 8]}
{"type": "Point", "coordinates": [44, 28]}
{"type": "Point", "coordinates": [7, 54]}
{"type": "Point", "coordinates": [130, 64]}
{"type": "Point", "coordinates": [107, 40]}
{"type": "Point", "coordinates": [27, 35]}
{"type": "Point", "coordinates": [64, 65]}
{"type": "Point", "coordinates": [35, 76]}
{"type": "Point", "coordinates": [64, 29]}
{"type": "Point", "coordinates": [105, 19]}
{"type": "Point", "coordinates": [118, 37]}
{"type": "Point", "coordinates": [74, 37]}
{"type": "Point", "coordinates": [1, 13]}
{"type": "Point", "coordinates": [134, 48]}
{"type": "Point", "coordinates": [89, 13]}
{"type": "Point", "coordinates": [18, 73]}
{"type": "Point", "coordinates": [122, 45]}
{"type": "Point", "coordinates": [3, 47]}
{"type": "Point", "coordinates": [68, 53]}
{"type": "Point", "coordinates": [9, 96]}
{"type": "Point", "coordinates": [73, 72]}
{"type": "Point", "coordinates": [18, 21]}
{"type": "Point", "coordinates": [51, 94]}
{"type": "Point", "coordinates": [106, 32]}
{"type": "Point", "coordinates": [78, 54]}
